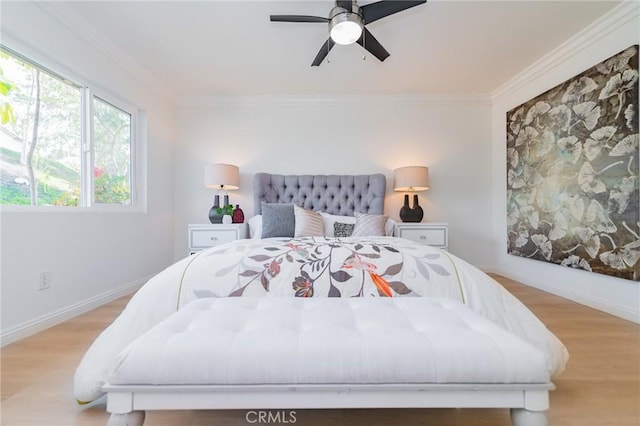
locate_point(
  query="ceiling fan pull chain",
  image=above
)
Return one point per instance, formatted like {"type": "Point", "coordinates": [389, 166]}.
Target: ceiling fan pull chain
{"type": "Point", "coordinates": [364, 46]}
{"type": "Point", "coordinates": [328, 50]}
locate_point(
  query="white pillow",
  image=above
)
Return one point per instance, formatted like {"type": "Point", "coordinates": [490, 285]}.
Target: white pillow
{"type": "Point", "coordinates": [330, 219]}
{"type": "Point", "coordinates": [370, 225]}
{"type": "Point", "coordinates": [390, 227]}
{"type": "Point", "coordinates": [308, 223]}
{"type": "Point", "coordinates": [255, 227]}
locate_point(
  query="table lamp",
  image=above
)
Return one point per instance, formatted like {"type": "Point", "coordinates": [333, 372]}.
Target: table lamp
{"type": "Point", "coordinates": [411, 179]}
{"type": "Point", "coordinates": [223, 177]}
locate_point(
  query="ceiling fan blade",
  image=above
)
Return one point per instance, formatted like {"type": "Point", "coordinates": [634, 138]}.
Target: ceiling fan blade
{"type": "Point", "coordinates": [369, 42]}
{"type": "Point", "coordinates": [373, 11]}
{"type": "Point", "coordinates": [324, 51]}
{"type": "Point", "coordinates": [298, 18]}
{"type": "Point", "coordinates": [345, 4]}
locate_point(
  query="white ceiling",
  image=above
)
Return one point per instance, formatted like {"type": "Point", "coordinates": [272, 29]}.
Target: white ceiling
{"type": "Point", "coordinates": [231, 47]}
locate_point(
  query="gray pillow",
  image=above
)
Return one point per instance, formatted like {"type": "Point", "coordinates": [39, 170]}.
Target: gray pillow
{"type": "Point", "coordinates": [278, 220]}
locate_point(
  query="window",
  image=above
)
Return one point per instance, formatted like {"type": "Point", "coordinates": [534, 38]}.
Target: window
{"type": "Point", "coordinates": [111, 131]}
{"type": "Point", "coordinates": [62, 142]}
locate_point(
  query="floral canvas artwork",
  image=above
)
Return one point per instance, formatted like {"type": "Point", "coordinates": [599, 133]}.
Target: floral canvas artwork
{"type": "Point", "coordinates": [572, 172]}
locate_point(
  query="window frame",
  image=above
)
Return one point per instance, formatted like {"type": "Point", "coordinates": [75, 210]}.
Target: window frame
{"type": "Point", "coordinates": [89, 90]}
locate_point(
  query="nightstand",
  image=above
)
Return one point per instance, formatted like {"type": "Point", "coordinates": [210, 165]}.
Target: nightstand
{"type": "Point", "coordinates": [204, 236]}
{"type": "Point", "coordinates": [432, 234]}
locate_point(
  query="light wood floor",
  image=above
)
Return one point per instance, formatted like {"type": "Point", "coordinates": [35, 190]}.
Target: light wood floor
{"type": "Point", "coordinates": [601, 385]}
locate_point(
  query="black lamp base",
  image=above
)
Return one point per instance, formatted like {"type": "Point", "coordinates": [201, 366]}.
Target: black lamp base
{"type": "Point", "coordinates": [411, 214]}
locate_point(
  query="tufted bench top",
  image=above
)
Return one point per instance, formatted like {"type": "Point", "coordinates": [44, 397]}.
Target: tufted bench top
{"type": "Point", "coordinates": [327, 341]}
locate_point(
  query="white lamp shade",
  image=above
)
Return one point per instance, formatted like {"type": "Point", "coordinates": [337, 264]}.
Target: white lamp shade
{"type": "Point", "coordinates": [411, 178]}
{"type": "Point", "coordinates": [222, 176]}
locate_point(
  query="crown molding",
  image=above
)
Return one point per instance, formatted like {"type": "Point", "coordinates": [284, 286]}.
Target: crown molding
{"type": "Point", "coordinates": [315, 100]}
{"type": "Point", "coordinates": [65, 15]}
{"type": "Point", "coordinates": [607, 23]}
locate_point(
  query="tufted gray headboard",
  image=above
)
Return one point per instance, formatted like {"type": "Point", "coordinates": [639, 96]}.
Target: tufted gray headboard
{"type": "Point", "coordinates": [335, 194]}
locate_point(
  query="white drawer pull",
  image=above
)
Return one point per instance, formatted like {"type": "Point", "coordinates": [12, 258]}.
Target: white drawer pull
{"type": "Point", "coordinates": [214, 238]}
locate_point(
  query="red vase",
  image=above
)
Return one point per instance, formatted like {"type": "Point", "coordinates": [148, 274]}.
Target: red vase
{"type": "Point", "coordinates": [238, 215]}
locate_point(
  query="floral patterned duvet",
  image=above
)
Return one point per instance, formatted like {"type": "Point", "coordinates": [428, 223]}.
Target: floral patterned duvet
{"type": "Point", "coordinates": [312, 267]}
{"type": "Point", "coordinates": [321, 267]}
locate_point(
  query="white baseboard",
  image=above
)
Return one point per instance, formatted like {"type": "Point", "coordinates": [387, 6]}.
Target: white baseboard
{"type": "Point", "coordinates": [583, 299]}
{"type": "Point", "coordinates": [31, 327]}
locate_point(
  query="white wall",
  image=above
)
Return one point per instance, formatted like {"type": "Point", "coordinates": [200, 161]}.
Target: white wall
{"type": "Point", "coordinates": [344, 136]}
{"type": "Point", "coordinates": [608, 36]}
{"type": "Point", "coordinates": [92, 256]}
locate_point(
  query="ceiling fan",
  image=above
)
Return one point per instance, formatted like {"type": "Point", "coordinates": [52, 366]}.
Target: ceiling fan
{"type": "Point", "coordinates": [347, 23]}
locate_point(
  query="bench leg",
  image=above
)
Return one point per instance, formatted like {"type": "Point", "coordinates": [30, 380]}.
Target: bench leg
{"type": "Point", "coordinates": [134, 418]}
{"type": "Point", "coordinates": [522, 417]}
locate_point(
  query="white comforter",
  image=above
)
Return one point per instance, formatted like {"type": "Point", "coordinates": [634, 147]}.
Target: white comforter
{"type": "Point", "coordinates": [312, 267]}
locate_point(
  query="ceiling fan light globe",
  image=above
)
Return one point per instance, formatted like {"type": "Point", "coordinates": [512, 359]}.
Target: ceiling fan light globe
{"type": "Point", "coordinates": [345, 27]}
{"type": "Point", "coordinates": [346, 32]}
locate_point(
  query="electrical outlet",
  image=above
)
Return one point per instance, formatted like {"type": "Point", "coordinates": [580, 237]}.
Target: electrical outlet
{"type": "Point", "coordinates": [44, 280]}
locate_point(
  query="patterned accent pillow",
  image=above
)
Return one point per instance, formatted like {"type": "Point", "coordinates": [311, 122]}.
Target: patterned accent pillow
{"type": "Point", "coordinates": [277, 220]}
{"type": "Point", "coordinates": [369, 225]}
{"type": "Point", "coordinates": [343, 229]}
{"type": "Point", "coordinates": [307, 223]}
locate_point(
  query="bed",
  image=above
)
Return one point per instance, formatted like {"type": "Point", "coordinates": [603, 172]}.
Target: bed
{"type": "Point", "coordinates": [336, 321]}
